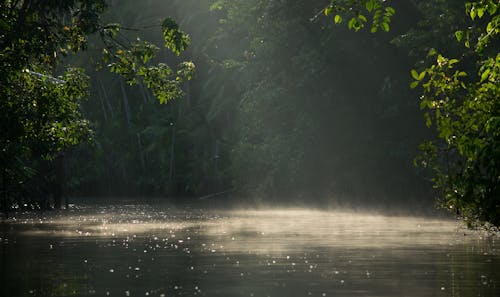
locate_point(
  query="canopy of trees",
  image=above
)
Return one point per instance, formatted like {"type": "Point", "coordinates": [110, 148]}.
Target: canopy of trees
{"type": "Point", "coordinates": [40, 114]}
{"type": "Point", "coordinates": [287, 103]}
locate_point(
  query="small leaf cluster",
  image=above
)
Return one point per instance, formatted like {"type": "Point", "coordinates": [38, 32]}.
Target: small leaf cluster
{"type": "Point", "coordinates": [476, 11]}
{"type": "Point", "coordinates": [357, 14]}
{"type": "Point", "coordinates": [134, 60]}
{"type": "Point", "coordinates": [175, 40]}
{"type": "Point", "coordinates": [133, 64]}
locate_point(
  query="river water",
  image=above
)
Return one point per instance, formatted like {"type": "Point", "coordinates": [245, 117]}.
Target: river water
{"type": "Point", "coordinates": [138, 250]}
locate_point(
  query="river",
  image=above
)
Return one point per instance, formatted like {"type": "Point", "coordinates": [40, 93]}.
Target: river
{"type": "Point", "coordinates": [155, 250]}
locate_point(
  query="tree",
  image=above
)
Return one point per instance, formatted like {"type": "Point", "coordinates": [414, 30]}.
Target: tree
{"type": "Point", "coordinates": [144, 148]}
{"type": "Point", "coordinates": [303, 129]}
{"type": "Point", "coordinates": [461, 99]}
{"type": "Point", "coordinates": [463, 104]}
{"type": "Point", "coordinates": [40, 114]}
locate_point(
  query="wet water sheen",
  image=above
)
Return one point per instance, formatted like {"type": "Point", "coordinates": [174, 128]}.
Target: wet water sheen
{"type": "Point", "coordinates": [159, 251]}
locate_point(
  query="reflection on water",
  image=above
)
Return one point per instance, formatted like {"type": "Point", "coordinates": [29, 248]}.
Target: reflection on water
{"type": "Point", "coordinates": [154, 251]}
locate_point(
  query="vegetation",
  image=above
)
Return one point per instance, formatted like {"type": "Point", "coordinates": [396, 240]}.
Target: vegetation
{"type": "Point", "coordinates": [461, 99]}
{"type": "Point", "coordinates": [286, 105]}
{"type": "Point", "coordinates": [40, 116]}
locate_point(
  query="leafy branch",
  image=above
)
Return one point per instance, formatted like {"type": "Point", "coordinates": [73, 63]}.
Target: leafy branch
{"type": "Point", "coordinates": [360, 13]}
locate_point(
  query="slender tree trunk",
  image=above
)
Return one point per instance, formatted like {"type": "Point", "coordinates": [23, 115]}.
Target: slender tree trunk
{"type": "Point", "coordinates": [59, 182]}
{"type": "Point", "coordinates": [125, 102]}
{"type": "Point", "coordinates": [216, 167]}
{"type": "Point", "coordinates": [102, 105]}
{"type": "Point", "coordinates": [144, 93]}
{"type": "Point", "coordinates": [172, 154]}
{"type": "Point", "coordinates": [5, 197]}
{"type": "Point", "coordinates": [141, 153]}
{"type": "Point", "coordinates": [111, 112]}
{"type": "Point", "coordinates": [187, 86]}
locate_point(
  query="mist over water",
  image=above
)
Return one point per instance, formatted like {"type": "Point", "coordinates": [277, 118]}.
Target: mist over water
{"type": "Point", "coordinates": [138, 250]}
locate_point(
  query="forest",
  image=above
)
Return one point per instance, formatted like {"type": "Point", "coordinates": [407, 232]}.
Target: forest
{"type": "Point", "coordinates": [370, 104]}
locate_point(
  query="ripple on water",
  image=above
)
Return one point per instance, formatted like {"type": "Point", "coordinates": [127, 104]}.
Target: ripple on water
{"type": "Point", "coordinates": [154, 251]}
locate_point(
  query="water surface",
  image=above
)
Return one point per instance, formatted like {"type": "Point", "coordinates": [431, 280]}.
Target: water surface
{"type": "Point", "coordinates": [138, 250]}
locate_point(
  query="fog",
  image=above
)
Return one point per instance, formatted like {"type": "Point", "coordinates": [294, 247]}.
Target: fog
{"type": "Point", "coordinates": [282, 110]}
{"type": "Point", "coordinates": [158, 250]}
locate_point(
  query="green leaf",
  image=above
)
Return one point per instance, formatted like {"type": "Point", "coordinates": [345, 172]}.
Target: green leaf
{"type": "Point", "coordinates": [353, 24]}
{"type": "Point", "coordinates": [485, 74]}
{"type": "Point", "coordinates": [328, 10]}
{"type": "Point", "coordinates": [414, 74]}
{"type": "Point", "coordinates": [489, 27]}
{"type": "Point", "coordinates": [459, 35]}
{"type": "Point", "coordinates": [385, 26]}
{"type": "Point", "coordinates": [421, 76]}
{"type": "Point", "coordinates": [428, 120]}
{"type": "Point", "coordinates": [492, 9]}
{"type": "Point", "coordinates": [414, 84]}
{"type": "Point", "coordinates": [480, 12]}
{"type": "Point", "coordinates": [216, 6]}
{"type": "Point", "coordinates": [337, 19]}
{"type": "Point", "coordinates": [472, 13]}
{"type": "Point", "coordinates": [391, 11]}
{"type": "Point", "coordinates": [441, 60]}
{"type": "Point", "coordinates": [369, 5]}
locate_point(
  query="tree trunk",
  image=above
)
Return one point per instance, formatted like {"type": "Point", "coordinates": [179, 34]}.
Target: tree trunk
{"type": "Point", "coordinates": [59, 182]}
{"type": "Point", "coordinates": [106, 99]}
{"type": "Point", "coordinates": [102, 105]}
{"type": "Point", "coordinates": [5, 204]}
{"type": "Point", "coordinates": [172, 154]}
{"type": "Point", "coordinates": [144, 93]}
{"type": "Point", "coordinates": [126, 105]}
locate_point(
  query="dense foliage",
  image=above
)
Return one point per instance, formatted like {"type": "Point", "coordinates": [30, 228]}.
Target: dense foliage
{"type": "Point", "coordinates": [40, 114]}
{"type": "Point", "coordinates": [462, 100]}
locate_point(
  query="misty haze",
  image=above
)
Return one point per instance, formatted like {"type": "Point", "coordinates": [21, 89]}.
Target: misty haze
{"type": "Point", "coordinates": [249, 148]}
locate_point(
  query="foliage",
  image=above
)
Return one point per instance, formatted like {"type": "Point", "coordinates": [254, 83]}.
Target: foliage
{"type": "Point", "coordinates": [275, 110]}
{"type": "Point", "coordinates": [464, 106]}
{"type": "Point", "coordinates": [175, 39]}
{"type": "Point", "coordinates": [41, 115]}
{"type": "Point", "coordinates": [302, 124]}
{"type": "Point", "coordinates": [130, 60]}
{"type": "Point", "coordinates": [460, 97]}
{"type": "Point", "coordinates": [356, 12]}
{"type": "Point", "coordinates": [282, 107]}
{"type": "Point", "coordinates": [147, 144]}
